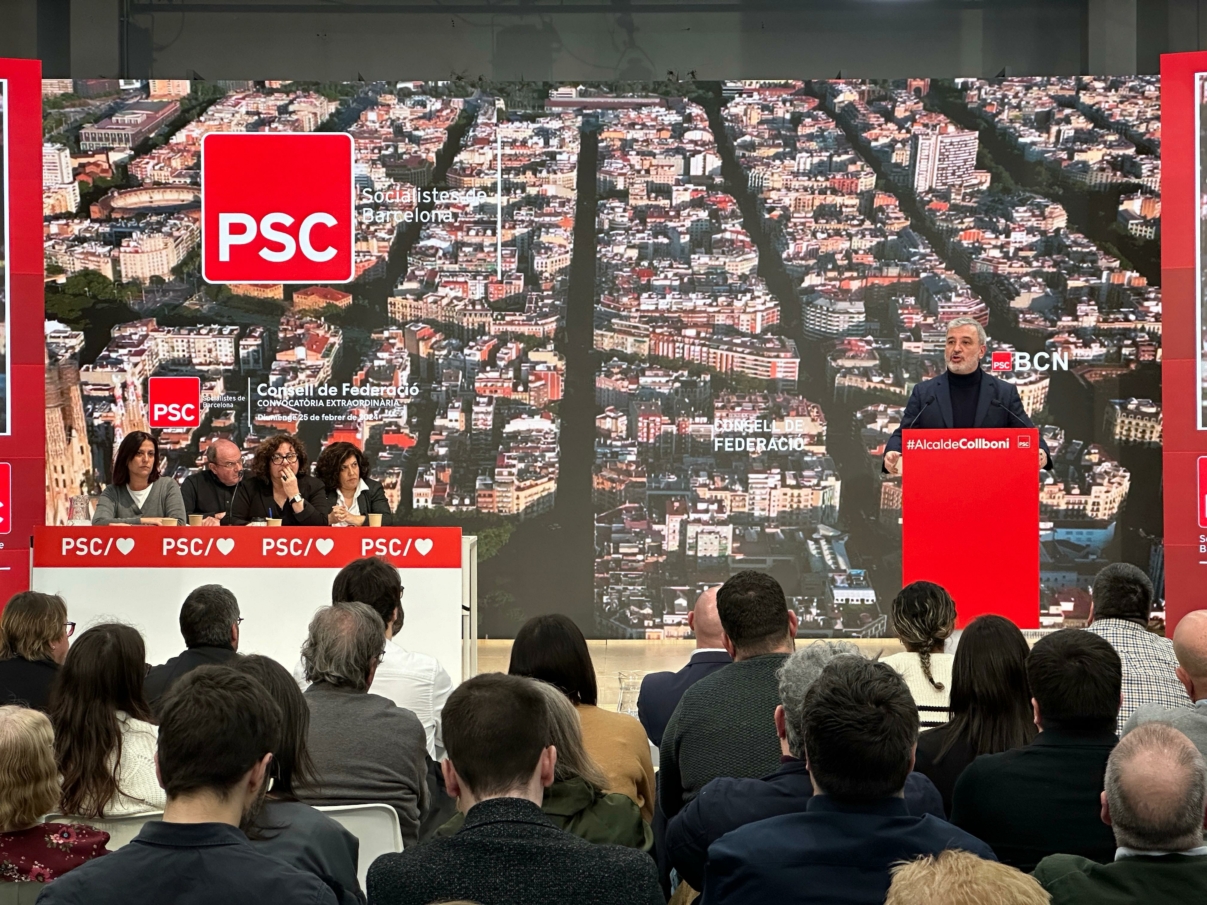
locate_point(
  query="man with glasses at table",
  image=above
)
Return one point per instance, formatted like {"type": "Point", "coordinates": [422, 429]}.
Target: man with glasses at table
{"type": "Point", "coordinates": [208, 493]}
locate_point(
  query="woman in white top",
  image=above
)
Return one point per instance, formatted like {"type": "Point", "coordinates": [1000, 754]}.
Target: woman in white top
{"type": "Point", "coordinates": [924, 616]}
{"type": "Point", "coordinates": [137, 496]}
{"type": "Point", "coordinates": [103, 739]}
{"type": "Point", "coordinates": [351, 493]}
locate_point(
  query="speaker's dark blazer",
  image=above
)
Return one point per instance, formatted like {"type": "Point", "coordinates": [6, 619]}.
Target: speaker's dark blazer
{"type": "Point", "coordinates": [661, 691]}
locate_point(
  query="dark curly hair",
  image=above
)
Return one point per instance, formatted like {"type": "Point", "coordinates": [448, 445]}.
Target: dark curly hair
{"type": "Point", "coordinates": [268, 448]}
{"type": "Point", "coordinates": [129, 448]}
{"type": "Point", "coordinates": [332, 459]}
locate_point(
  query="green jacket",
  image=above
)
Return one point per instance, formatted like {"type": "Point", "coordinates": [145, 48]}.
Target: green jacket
{"type": "Point", "coordinates": [579, 808]}
{"type": "Point", "coordinates": [1153, 880]}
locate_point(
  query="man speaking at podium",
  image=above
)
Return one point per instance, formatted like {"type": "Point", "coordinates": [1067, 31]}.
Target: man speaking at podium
{"type": "Point", "coordinates": [963, 396]}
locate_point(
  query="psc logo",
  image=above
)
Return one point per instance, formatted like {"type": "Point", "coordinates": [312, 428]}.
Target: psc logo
{"type": "Point", "coordinates": [174, 401]}
{"type": "Point", "coordinates": [277, 207]}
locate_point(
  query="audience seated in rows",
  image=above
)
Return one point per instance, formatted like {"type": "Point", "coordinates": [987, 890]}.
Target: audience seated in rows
{"type": "Point", "coordinates": [860, 726]}
{"type": "Point", "coordinates": [104, 738]}
{"type": "Point", "coordinates": [661, 691]}
{"type": "Point", "coordinates": [990, 703]}
{"type": "Point", "coordinates": [1123, 599]}
{"type": "Point", "coordinates": [1042, 799]}
{"type": "Point", "coordinates": [282, 826]}
{"type": "Point", "coordinates": [552, 649]}
{"type": "Point", "coordinates": [954, 877]}
{"type": "Point", "coordinates": [364, 747]}
{"type": "Point", "coordinates": [726, 804]}
{"type": "Point", "coordinates": [33, 642]}
{"type": "Point", "coordinates": [209, 624]}
{"type": "Point", "coordinates": [1156, 790]}
{"type": "Point", "coordinates": [1190, 648]}
{"type": "Point", "coordinates": [500, 760]}
{"type": "Point", "coordinates": [576, 801]}
{"type": "Point", "coordinates": [924, 616]}
{"type": "Point", "coordinates": [31, 850]}
{"type": "Point", "coordinates": [723, 726]}
{"type": "Point", "coordinates": [217, 732]}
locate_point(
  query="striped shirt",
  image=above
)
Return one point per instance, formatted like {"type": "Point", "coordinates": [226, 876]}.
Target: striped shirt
{"type": "Point", "coordinates": [1149, 666]}
{"type": "Point", "coordinates": [932, 704]}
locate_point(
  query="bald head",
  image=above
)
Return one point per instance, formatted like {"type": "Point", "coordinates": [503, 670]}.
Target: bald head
{"type": "Point", "coordinates": [1190, 646]}
{"type": "Point", "coordinates": [1156, 790]}
{"type": "Point", "coordinates": [223, 458]}
{"type": "Point", "coordinates": [705, 622]}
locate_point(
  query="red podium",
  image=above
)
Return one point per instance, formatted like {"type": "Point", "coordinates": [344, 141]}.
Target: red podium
{"type": "Point", "coordinates": [970, 518]}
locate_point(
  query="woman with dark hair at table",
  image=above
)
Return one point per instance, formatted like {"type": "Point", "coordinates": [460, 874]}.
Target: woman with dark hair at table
{"type": "Point", "coordinates": [276, 485]}
{"type": "Point", "coordinates": [351, 493]}
{"type": "Point", "coordinates": [137, 496]}
{"type": "Point", "coordinates": [282, 826]}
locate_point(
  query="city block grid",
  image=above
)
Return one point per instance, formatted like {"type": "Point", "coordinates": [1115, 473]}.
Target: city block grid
{"type": "Point", "coordinates": [678, 349]}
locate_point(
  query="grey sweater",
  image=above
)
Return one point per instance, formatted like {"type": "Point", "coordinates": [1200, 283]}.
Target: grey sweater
{"type": "Point", "coordinates": [366, 749]}
{"type": "Point", "coordinates": [724, 726]}
{"type": "Point", "coordinates": [115, 506]}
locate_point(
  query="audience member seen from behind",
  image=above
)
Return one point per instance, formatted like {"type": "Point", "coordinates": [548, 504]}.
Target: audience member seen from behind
{"type": "Point", "coordinates": [277, 486]}
{"type": "Point", "coordinates": [365, 749]}
{"type": "Point", "coordinates": [500, 761]}
{"type": "Point", "coordinates": [860, 727]}
{"type": "Point", "coordinates": [209, 623]}
{"type": "Point", "coordinates": [924, 616]}
{"type": "Point", "coordinates": [33, 642]}
{"type": "Point", "coordinates": [103, 738]}
{"type": "Point", "coordinates": [661, 691]}
{"type": "Point", "coordinates": [351, 494]}
{"type": "Point", "coordinates": [576, 801]}
{"type": "Point", "coordinates": [1156, 790]}
{"type": "Point", "coordinates": [990, 703]}
{"type": "Point", "coordinates": [959, 878]}
{"type": "Point", "coordinates": [1042, 799]}
{"type": "Point", "coordinates": [1123, 599]}
{"type": "Point", "coordinates": [216, 736]}
{"type": "Point", "coordinates": [31, 850]}
{"type": "Point", "coordinates": [209, 492]}
{"type": "Point", "coordinates": [723, 725]}
{"type": "Point", "coordinates": [137, 496]}
{"type": "Point", "coordinates": [726, 804]}
{"type": "Point", "coordinates": [281, 825]}
{"type": "Point", "coordinates": [1190, 647]}
{"type": "Point", "coordinates": [552, 649]}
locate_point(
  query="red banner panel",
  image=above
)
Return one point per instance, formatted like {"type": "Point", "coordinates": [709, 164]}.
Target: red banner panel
{"type": "Point", "coordinates": [970, 519]}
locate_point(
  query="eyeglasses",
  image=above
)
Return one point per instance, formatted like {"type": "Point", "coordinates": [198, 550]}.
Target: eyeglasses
{"type": "Point", "coordinates": [70, 627]}
{"type": "Point", "coordinates": [279, 459]}
{"type": "Point", "coordinates": [239, 621]}
{"type": "Point", "coordinates": [238, 466]}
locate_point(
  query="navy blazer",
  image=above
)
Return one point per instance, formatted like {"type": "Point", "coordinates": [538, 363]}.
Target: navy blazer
{"type": "Point", "coordinates": [929, 407]}
{"type": "Point", "coordinates": [661, 691]}
{"type": "Point", "coordinates": [726, 804]}
{"type": "Point", "coordinates": [836, 853]}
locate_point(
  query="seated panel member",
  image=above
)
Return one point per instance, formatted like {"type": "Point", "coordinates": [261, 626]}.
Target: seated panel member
{"type": "Point", "coordinates": [963, 396]}
{"type": "Point", "coordinates": [277, 486]}
{"type": "Point", "coordinates": [137, 496]}
{"type": "Point", "coordinates": [351, 493]}
{"type": "Point", "coordinates": [209, 492]}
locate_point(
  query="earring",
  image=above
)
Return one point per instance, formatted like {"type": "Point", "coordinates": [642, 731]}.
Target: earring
{"type": "Point", "coordinates": [271, 780]}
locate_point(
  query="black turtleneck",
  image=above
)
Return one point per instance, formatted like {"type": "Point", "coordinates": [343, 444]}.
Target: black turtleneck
{"type": "Point", "coordinates": [965, 390]}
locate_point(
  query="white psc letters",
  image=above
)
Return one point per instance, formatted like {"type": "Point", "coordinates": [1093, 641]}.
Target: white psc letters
{"type": "Point", "coordinates": [228, 237]}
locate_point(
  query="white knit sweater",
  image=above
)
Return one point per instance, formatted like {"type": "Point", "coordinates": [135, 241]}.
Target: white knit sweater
{"type": "Point", "coordinates": [140, 790]}
{"type": "Point", "coordinates": [932, 704]}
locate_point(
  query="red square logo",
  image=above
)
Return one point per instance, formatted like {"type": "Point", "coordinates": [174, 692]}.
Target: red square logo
{"type": "Point", "coordinates": [1002, 361]}
{"type": "Point", "coordinates": [6, 498]}
{"type": "Point", "coordinates": [174, 401]}
{"type": "Point", "coordinates": [1024, 441]}
{"type": "Point", "coordinates": [277, 207]}
{"type": "Point", "coordinates": [1202, 488]}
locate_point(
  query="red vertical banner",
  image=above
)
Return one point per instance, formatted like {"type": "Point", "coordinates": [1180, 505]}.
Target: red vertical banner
{"type": "Point", "coordinates": [22, 374]}
{"type": "Point", "coordinates": [1184, 403]}
{"type": "Point", "coordinates": [991, 566]}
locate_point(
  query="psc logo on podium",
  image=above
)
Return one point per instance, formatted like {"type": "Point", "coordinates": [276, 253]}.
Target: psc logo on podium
{"type": "Point", "coordinates": [277, 207]}
{"type": "Point", "coordinates": [174, 401]}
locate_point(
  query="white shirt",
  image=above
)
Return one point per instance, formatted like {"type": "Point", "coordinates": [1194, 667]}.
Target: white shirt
{"type": "Point", "coordinates": [140, 791]}
{"type": "Point", "coordinates": [140, 496]}
{"type": "Point", "coordinates": [354, 509]}
{"type": "Point", "coordinates": [1124, 852]}
{"type": "Point", "coordinates": [414, 681]}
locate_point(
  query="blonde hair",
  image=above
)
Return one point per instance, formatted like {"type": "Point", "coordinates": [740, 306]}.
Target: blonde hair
{"type": "Point", "coordinates": [573, 761]}
{"type": "Point", "coordinates": [30, 625]}
{"type": "Point", "coordinates": [29, 779]}
{"type": "Point", "coordinates": [959, 878]}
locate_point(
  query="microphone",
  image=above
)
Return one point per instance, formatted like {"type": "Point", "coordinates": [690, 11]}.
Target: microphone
{"type": "Point", "coordinates": [1012, 415]}
{"type": "Point", "coordinates": [920, 411]}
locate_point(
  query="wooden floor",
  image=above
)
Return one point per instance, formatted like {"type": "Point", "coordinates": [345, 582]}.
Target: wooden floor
{"type": "Point", "coordinates": [611, 658]}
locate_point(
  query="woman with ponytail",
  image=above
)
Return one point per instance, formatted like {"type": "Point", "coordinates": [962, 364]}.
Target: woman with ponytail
{"type": "Point", "coordinates": [924, 616]}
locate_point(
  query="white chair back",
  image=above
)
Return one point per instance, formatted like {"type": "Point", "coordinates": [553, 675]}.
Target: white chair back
{"type": "Point", "coordinates": [375, 825]}
{"type": "Point", "coordinates": [120, 829]}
